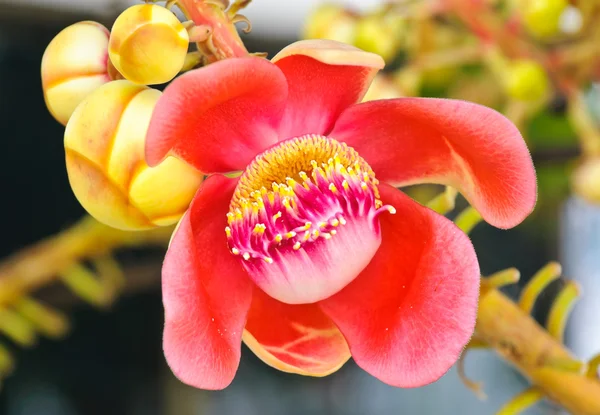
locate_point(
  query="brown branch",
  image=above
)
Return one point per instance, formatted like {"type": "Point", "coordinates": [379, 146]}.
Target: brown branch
{"type": "Point", "coordinates": [519, 339]}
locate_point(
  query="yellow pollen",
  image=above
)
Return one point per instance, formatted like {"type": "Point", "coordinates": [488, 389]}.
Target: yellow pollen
{"type": "Point", "coordinates": [277, 216]}
{"type": "Point", "coordinates": [306, 236]}
{"type": "Point", "coordinates": [282, 168]}
{"type": "Point", "coordinates": [259, 228]}
{"type": "Point", "coordinates": [269, 260]}
{"type": "Point", "coordinates": [235, 251]}
{"type": "Point", "coordinates": [333, 188]}
{"type": "Point", "coordinates": [278, 238]}
{"type": "Point", "coordinates": [297, 246]}
{"type": "Point", "coordinates": [335, 222]}
{"type": "Point", "coordinates": [228, 231]}
{"type": "Point", "coordinates": [246, 256]}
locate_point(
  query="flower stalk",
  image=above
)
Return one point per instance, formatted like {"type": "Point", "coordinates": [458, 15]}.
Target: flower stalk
{"type": "Point", "coordinates": [224, 40]}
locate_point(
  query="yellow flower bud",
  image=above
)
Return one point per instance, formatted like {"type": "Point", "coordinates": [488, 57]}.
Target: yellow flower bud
{"type": "Point", "coordinates": [374, 35]}
{"type": "Point", "coordinates": [104, 145]}
{"type": "Point", "coordinates": [586, 180]}
{"type": "Point", "coordinates": [331, 22]}
{"type": "Point", "coordinates": [526, 80]}
{"type": "Point", "coordinates": [148, 44]}
{"type": "Point", "coordinates": [74, 64]}
{"type": "Point", "coordinates": [542, 17]}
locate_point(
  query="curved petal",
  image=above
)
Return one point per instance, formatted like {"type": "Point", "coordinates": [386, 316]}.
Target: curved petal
{"type": "Point", "coordinates": [218, 117]}
{"type": "Point", "coordinates": [410, 313]}
{"type": "Point", "coordinates": [465, 145]}
{"type": "Point", "coordinates": [206, 294]}
{"type": "Point", "coordinates": [324, 78]}
{"type": "Point", "coordinates": [294, 338]}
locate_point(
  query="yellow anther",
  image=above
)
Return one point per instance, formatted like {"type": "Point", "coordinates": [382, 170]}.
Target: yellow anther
{"type": "Point", "coordinates": [345, 185]}
{"type": "Point", "coordinates": [316, 233]}
{"type": "Point", "coordinates": [333, 188]}
{"type": "Point", "coordinates": [259, 228]}
{"type": "Point", "coordinates": [363, 186]}
{"type": "Point", "coordinates": [303, 176]}
{"type": "Point", "coordinates": [306, 236]}
{"type": "Point", "coordinates": [235, 251]}
{"type": "Point", "coordinates": [342, 220]}
{"type": "Point", "coordinates": [322, 224]}
{"type": "Point", "coordinates": [391, 209]}
{"type": "Point", "coordinates": [277, 216]}
{"type": "Point", "coordinates": [228, 231]}
{"type": "Point", "coordinates": [278, 238]}
{"type": "Point", "coordinates": [246, 256]}
{"type": "Point", "coordinates": [268, 260]}
{"type": "Point", "coordinates": [297, 246]}
{"type": "Point", "coordinates": [326, 235]}
{"type": "Point", "coordinates": [290, 235]}
{"type": "Point", "coordinates": [333, 232]}
{"type": "Point", "coordinates": [335, 222]}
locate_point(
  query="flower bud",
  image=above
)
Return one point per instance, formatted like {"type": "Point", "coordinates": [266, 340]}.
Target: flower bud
{"type": "Point", "coordinates": [375, 34]}
{"type": "Point", "coordinates": [542, 17]}
{"type": "Point", "coordinates": [586, 180]}
{"type": "Point", "coordinates": [526, 80]}
{"type": "Point", "coordinates": [104, 145]}
{"type": "Point", "coordinates": [74, 64]}
{"type": "Point", "coordinates": [330, 22]}
{"type": "Point", "coordinates": [148, 44]}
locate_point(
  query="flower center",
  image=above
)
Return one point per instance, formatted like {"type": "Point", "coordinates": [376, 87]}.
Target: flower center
{"type": "Point", "coordinates": [306, 206]}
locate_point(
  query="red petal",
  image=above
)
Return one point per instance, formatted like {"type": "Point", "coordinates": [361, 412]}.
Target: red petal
{"type": "Point", "coordinates": [206, 293]}
{"type": "Point", "coordinates": [465, 145]}
{"type": "Point", "coordinates": [219, 117]}
{"type": "Point", "coordinates": [409, 314]}
{"type": "Point", "coordinates": [294, 338]}
{"type": "Point", "coordinates": [324, 78]}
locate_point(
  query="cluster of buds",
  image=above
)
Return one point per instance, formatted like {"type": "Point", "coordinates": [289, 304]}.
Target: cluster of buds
{"type": "Point", "coordinates": [96, 84]}
{"type": "Point", "coordinates": [519, 56]}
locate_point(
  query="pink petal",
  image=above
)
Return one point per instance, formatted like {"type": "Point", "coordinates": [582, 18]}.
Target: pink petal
{"type": "Point", "coordinates": [206, 294]}
{"type": "Point", "coordinates": [217, 118]}
{"type": "Point", "coordinates": [409, 314]}
{"type": "Point", "coordinates": [468, 146]}
{"type": "Point", "coordinates": [324, 78]}
{"type": "Point", "coordinates": [294, 338]}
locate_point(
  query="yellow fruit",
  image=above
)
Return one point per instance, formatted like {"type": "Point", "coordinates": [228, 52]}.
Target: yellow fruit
{"type": "Point", "coordinates": [542, 17]}
{"type": "Point", "coordinates": [526, 80]}
{"type": "Point", "coordinates": [74, 64]}
{"type": "Point", "coordinates": [104, 145]}
{"type": "Point", "coordinates": [148, 44]}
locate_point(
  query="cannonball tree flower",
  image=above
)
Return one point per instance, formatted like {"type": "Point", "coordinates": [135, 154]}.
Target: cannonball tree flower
{"type": "Point", "coordinates": [312, 255]}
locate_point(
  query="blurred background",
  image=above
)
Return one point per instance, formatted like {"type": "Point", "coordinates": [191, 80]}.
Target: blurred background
{"type": "Point", "coordinates": [539, 68]}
